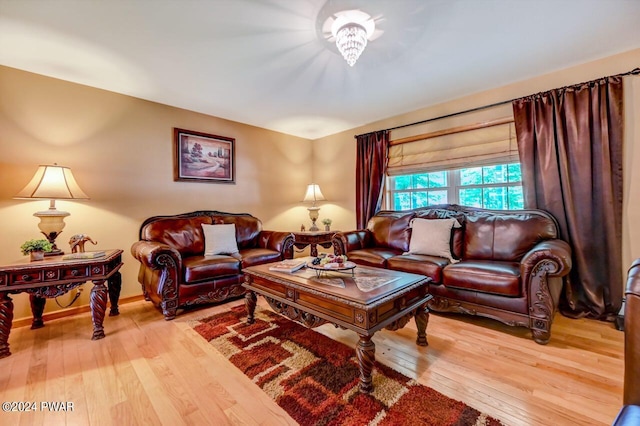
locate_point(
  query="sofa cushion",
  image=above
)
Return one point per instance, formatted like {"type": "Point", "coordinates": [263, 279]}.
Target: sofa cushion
{"type": "Point", "coordinates": [219, 239]}
{"type": "Point", "coordinates": [184, 235]}
{"type": "Point", "coordinates": [376, 257]}
{"type": "Point", "coordinates": [258, 256]}
{"type": "Point", "coordinates": [505, 237]}
{"type": "Point", "coordinates": [430, 266]}
{"type": "Point", "coordinates": [485, 276]}
{"type": "Point", "coordinates": [432, 237]}
{"type": "Point", "coordinates": [248, 228]}
{"type": "Point", "coordinates": [198, 268]}
{"type": "Point", "coordinates": [457, 237]}
{"type": "Point", "coordinates": [391, 229]}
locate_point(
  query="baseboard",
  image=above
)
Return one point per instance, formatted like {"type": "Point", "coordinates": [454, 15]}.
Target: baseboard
{"type": "Point", "coordinates": [22, 322]}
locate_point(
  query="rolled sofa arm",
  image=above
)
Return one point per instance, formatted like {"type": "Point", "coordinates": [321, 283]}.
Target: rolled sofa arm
{"type": "Point", "coordinates": [344, 242]}
{"type": "Point", "coordinates": [542, 269]}
{"type": "Point", "coordinates": [147, 253]}
{"type": "Point", "coordinates": [556, 251]}
{"type": "Point", "coordinates": [632, 337]}
{"type": "Point", "coordinates": [160, 267]}
{"type": "Point", "coordinates": [279, 241]}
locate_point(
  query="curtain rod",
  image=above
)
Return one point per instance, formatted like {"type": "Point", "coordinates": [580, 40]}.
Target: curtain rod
{"type": "Point", "coordinates": [635, 71]}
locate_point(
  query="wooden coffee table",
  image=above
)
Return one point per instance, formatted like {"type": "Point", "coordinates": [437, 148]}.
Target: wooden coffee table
{"type": "Point", "coordinates": [366, 302]}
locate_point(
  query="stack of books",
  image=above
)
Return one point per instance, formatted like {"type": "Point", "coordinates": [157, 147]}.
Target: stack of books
{"type": "Point", "coordinates": [288, 265]}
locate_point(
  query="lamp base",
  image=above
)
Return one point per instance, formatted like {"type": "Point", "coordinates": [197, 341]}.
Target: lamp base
{"type": "Point", "coordinates": [51, 237]}
{"type": "Point", "coordinates": [313, 215]}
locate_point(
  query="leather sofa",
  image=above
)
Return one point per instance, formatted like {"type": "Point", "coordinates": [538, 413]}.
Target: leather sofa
{"type": "Point", "coordinates": [174, 271]}
{"type": "Point", "coordinates": [505, 265]}
{"type": "Point", "coordinates": [630, 412]}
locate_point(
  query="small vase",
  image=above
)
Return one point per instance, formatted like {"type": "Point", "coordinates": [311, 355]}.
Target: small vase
{"type": "Point", "coordinates": [327, 227]}
{"type": "Point", "coordinates": [36, 255]}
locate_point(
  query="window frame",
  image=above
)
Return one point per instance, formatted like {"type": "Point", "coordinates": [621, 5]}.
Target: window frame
{"type": "Point", "coordinates": [453, 186]}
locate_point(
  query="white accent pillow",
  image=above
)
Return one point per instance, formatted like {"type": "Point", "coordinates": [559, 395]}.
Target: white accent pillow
{"type": "Point", "coordinates": [432, 237]}
{"type": "Point", "coordinates": [219, 239]}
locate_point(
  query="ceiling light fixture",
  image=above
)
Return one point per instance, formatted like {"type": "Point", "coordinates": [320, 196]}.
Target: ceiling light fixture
{"type": "Point", "coordinates": [352, 29]}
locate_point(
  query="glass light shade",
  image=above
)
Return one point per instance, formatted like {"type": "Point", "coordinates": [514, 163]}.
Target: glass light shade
{"type": "Point", "coordinates": [352, 29]}
{"type": "Point", "coordinates": [351, 41]}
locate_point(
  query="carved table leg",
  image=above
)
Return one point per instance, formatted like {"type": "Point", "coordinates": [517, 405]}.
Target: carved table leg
{"type": "Point", "coordinates": [366, 353]}
{"type": "Point", "coordinates": [37, 308]}
{"type": "Point", "coordinates": [115, 284]}
{"type": "Point", "coordinates": [250, 300]}
{"type": "Point", "coordinates": [98, 304]}
{"type": "Point", "coordinates": [314, 250]}
{"type": "Point", "coordinates": [422, 318]}
{"type": "Point", "coordinates": [6, 318]}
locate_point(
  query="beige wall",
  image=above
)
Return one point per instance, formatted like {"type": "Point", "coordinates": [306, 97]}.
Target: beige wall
{"type": "Point", "coordinates": [335, 155]}
{"type": "Point", "coordinates": [121, 152]}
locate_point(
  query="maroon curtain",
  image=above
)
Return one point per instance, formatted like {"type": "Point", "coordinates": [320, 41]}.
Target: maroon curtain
{"type": "Point", "coordinates": [570, 145]}
{"type": "Point", "coordinates": [371, 167]}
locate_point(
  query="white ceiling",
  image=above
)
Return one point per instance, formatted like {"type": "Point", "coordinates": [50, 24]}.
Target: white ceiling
{"type": "Point", "coordinates": [267, 62]}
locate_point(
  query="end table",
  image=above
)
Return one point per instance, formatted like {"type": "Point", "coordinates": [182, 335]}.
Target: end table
{"type": "Point", "coordinates": [322, 238]}
{"type": "Point", "coordinates": [53, 277]}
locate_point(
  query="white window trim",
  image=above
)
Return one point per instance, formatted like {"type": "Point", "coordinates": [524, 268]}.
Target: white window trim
{"type": "Point", "coordinates": [453, 187]}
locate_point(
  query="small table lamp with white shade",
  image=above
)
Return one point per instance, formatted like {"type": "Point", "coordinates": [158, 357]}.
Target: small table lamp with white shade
{"type": "Point", "coordinates": [313, 194]}
{"type": "Point", "coordinates": [52, 182]}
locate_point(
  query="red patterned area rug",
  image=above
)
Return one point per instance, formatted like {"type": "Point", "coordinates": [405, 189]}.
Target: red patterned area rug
{"type": "Point", "coordinates": [315, 379]}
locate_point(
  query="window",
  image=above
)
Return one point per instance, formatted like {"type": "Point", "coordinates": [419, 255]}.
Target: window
{"type": "Point", "coordinates": [491, 187]}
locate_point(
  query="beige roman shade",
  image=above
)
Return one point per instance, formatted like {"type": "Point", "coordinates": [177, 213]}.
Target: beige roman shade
{"type": "Point", "coordinates": [474, 145]}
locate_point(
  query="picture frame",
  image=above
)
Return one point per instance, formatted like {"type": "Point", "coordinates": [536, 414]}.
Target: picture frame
{"type": "Point", "coordinates": [203, 157]}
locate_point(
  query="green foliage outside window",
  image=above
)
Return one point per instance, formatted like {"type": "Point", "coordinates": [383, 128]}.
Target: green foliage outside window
{"type": "Point", "coordinates": [492, 187]}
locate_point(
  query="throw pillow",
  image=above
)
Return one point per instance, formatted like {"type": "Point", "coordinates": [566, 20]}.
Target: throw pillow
{"type": "Point", "coordinates": [219, 239]}
{"type": "Point", "coordinates": [432, 237]}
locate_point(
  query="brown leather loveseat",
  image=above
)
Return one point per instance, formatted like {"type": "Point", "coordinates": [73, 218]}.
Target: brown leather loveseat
{"type": "Point", "coordinates": [176, 273]}
{"type": "Point", "coordinates": [630, 412]}
{"type": "Point", "coordinates": [505, 265]}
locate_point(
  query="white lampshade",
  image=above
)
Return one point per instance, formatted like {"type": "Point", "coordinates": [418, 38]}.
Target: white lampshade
{"type": "Point", "coordinates": [52, 182]}
{"type": "Point", "coordinates": [313, 194]}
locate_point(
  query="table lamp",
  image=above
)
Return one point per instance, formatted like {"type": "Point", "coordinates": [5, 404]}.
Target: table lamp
{"type": "Point", "coordinates": [52, 182]}
{"type": "Point", "coordinates": [313, 194]}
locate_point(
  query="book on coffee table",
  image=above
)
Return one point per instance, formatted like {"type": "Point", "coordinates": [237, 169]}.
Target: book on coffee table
{"type": "Point", "coordinates": [288, 265]}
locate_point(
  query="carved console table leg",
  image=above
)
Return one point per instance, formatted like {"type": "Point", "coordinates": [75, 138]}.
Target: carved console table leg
{"type": "Point", "coordinates": [250, 300]}
{"type": "Point", "coordinates": [37, 308]}
{"type": "Point", "coordinates": [366, 353]}
{"type": "Point", "coordinates": [98, 304]}
{"type": "Point", "coordinates": [541, 337]}
{"type": "Point", "coordinates": [422, 319]}
{"type": "Point", "coordinates": [115, 285]}
{"type": "Point", "coordinates": [6, 318]}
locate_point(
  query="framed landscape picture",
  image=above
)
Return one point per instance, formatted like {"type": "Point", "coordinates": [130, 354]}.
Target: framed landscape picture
{"type": "Point", "coordinates": [203, 157]}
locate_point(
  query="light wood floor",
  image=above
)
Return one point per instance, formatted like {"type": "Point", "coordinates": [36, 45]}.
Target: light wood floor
{"type": "Point", "coordinates": [149, 371]}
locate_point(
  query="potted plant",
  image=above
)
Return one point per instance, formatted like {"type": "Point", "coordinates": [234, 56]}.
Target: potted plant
{"type": "Point", "coordinates": [327, 224]}
{"type": "Point", "coordinates": [36, 248]}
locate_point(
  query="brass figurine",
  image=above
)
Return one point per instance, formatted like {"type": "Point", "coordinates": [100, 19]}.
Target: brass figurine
{"type": "Point", "coordinates": [78, 241]}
